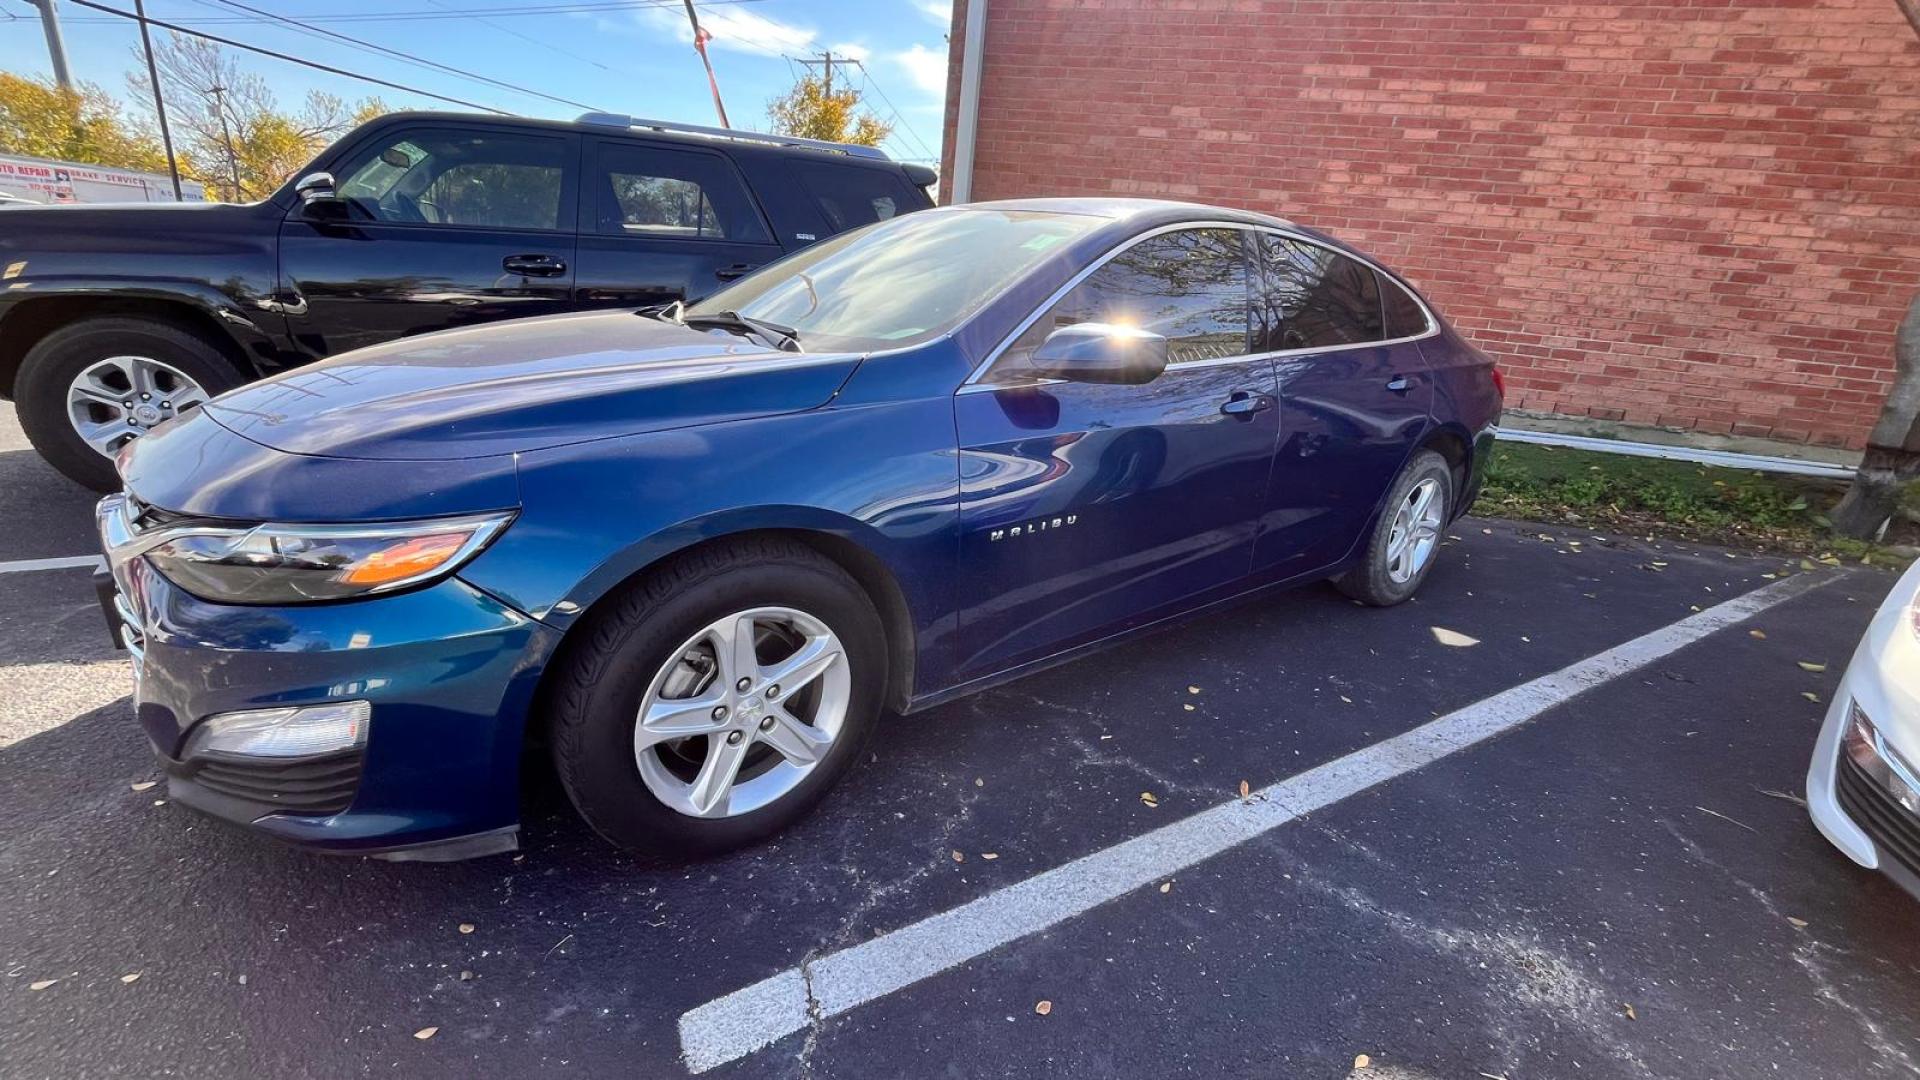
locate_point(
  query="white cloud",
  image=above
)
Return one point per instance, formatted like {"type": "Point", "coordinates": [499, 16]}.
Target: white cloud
{"type": "Point", "coordinates": [852, 51]}
{"type": "Point", "coordinates": [926, 68]}
{"type": "Point", "coordinates": [940, 11]}
{"type": "Point", "coordinates": [740, 31]}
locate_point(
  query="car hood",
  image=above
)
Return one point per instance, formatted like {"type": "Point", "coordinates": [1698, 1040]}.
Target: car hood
{"type": "Point", "coordinates": [525, 385]}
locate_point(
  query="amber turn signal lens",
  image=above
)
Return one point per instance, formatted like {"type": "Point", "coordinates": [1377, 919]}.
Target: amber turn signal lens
{"type": "Point", "coordinates": [409, 558]}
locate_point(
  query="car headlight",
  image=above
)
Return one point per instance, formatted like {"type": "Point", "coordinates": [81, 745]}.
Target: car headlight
{"type": "Point", "coordinates": [291, 564]}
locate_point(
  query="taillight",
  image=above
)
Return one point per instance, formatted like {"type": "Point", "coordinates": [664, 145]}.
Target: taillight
{"type": "Point", "coordinates": [1499, 382]}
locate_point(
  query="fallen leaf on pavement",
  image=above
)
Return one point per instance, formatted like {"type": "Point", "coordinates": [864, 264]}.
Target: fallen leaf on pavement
{"type": "Point", "coordinates": [1361, 1061]}
{"type": "Point", "coordinates": [1166, 886]}
{"type": "Point", "coordinates": [1808, 665]}
{"type": "Point", "coordinates": [1150, 798]}
{"type": "Point", "coordinates": [1454, 638]}
{"type": "Point", "coordinates": [466, 976]}
{"type": "Point", "coordinates": [1193, 689]}
{"type": "Point", "coordinates": [426, 1033]}
{"type": "Point", "coordinates": [143, 785]}
{"type": "Point", "coordinates": [1798, 924]}
{"type": "Point", "coordinates": [1810, 696]}
{"type": "Point", "coordinates": [959, 856]}
{"type": "Point", "coordinates": [1043, 1008]}
{"type": "Point", "coordinates": [1187, 707]}
{"type": "Point", "coordinates": [1631, 1015]}
{"type": "Point", "coordinates": [42, 984]}
{"type": "Point", "coordinates": [1245, 790]}
{"type": "Point", "coordinates": [1757, 634]}
{"type": "Point", "coordinates": [989, 855]}
{"type": "Point", "coordinates": [466, 928]}
{"type": "Point", "coordinates": [131, 976]}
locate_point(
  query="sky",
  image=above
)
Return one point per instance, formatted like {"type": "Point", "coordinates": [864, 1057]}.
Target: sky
{"type": "Point", "coordinates": [621, 56]}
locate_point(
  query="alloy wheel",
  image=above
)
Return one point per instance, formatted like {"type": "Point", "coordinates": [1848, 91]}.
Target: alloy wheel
{"type": "Point", "coordinates": [1415, 531]}
{"type": "Point", "coordinates": [123, 397]}
{"type": "Point", "coordinates": [742, 713]}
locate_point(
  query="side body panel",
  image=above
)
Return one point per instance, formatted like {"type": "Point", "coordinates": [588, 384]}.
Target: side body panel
{"type": "Point", "coordinates": [1087, 509]}
{"type": "Point", "coordinates": [877, 469]}
{"type": "Point", "coordinates": [1466, 402]}
{"type": "Point", "coordinates": [1344, 435]}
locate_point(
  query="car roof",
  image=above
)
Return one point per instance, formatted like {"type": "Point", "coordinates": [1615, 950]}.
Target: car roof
{"type": "Point", "coordinates": [750, 142]}
{"type": "Point", "coordinates": [1139, 212]}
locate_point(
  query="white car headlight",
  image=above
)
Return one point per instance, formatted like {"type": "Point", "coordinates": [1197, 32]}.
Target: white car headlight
{"type": "Point", "coordinates": [292, 732]}
{"type": "Point", "coordinates": [290, 564]}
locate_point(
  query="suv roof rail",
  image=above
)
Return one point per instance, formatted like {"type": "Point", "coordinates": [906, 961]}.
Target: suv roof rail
{"type": "Point", "coordinates": [621, 120]}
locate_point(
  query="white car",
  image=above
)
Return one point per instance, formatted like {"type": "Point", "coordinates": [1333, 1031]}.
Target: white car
{"type": "Point", "coordinates": [1864, 786]}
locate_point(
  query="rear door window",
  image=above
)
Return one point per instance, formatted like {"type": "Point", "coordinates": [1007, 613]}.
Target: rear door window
{"type": "Point", "coordinates": [850, 196]}
{"type": "Point", "coordinates": [1311, 297]}
{"type": "Point", "coordinates": [1405, 317]}
{"type": "Point", "coordinates": [670, 194]}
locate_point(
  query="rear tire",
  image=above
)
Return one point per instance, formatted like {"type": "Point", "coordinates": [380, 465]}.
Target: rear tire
{"type": "Point", "coordinates": [658, 632]}
{"type": "Point", "coordinates": [1404, 544]}
{"type": "Point", "coordinates": [50, 370]}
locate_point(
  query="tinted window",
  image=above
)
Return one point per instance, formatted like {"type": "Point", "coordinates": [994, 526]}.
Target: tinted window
{"type": "Point", "coordinates": [899, 282]}
{"type": "Point", "coordinates": [1313, 297]}
{"type": "Point", "coordinates": [850, 196]}
{"type": "Point", "coordinates": [677, 194]}
{"type": "Point", "coordinates": [1404, 317]}
{"type": "Point", "coordinates": [1189, 286]}
{"type": "Point", "coordinates": [497, 181]}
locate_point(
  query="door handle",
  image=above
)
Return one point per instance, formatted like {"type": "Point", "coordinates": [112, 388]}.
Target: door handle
{"type": "Point", "coordinates": [1243, 404]}
{"type": "Point", "coordinates": [534, 265]}
{"type": "Point", "coordinates": [737, 270]}
{"type": "Point", "coordinates": [1399, 384]}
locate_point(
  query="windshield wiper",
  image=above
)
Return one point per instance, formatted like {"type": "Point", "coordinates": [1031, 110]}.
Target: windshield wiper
{"type": "Point", "coordinates": [780, 337]}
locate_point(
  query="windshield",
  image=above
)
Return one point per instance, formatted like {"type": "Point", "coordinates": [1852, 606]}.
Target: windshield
{"type": "Point", "coordinates": [898, 282]}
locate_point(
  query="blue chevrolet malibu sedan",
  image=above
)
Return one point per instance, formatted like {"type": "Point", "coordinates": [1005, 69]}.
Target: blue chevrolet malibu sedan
{"type": "Point", "coordinates": [694, 552]}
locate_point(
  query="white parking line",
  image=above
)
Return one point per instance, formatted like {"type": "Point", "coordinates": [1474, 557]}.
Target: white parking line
{"type": "Point", "coordinates": [71, 562]}
{"type": "Point", "coordinates": [736, 1025]}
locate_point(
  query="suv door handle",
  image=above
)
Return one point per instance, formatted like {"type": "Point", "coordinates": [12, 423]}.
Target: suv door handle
{"type": "Point", "coordinates": [534, 265]}
{"type": "Point", "coordinates": [1399, 384]}
{"type": "Point", "coordinates": [737, 270]}
{"type": "Point", "coordinates": [1243, 404]}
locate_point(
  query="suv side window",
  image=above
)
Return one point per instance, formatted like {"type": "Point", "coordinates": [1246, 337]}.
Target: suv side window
{"type": "Point", "coordinates": [850, 196]}
{"type": "Point", "coordinates": [663, 193]}
{"type": "Point", "coordinates": [1190, 286]}
{"type": "Point", "coordinates": [488, 180]}
{"type": "Point", "coordinates": [1405, 318]}
{"type": "Point", "coordinates": [1313, 298]}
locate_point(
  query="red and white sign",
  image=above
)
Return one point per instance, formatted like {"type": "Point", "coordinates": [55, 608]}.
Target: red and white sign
{"type": "Point", "coordinates": [41, 181]}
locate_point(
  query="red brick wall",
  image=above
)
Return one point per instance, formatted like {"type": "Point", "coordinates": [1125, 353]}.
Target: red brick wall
{"type": "Point", "coordinates": [1702, 213]}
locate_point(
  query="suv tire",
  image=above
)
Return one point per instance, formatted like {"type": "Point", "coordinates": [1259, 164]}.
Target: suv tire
{"type": "Point", "coordinates": [49, 370]}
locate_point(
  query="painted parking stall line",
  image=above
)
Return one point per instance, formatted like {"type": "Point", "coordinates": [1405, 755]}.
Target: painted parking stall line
{"type": "Point", "coordinates": [71, 562]}
{"type": "Point", "coordinates": [731, 1027]}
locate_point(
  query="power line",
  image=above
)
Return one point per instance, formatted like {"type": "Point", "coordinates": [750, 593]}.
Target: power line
{"type": "Point", "coordinates": [421, 15]}
{"type": "Point", "coordinates": [529, 38]}
{"type": "Point", "coordinates": [895, 110]}
{"type": "Point", "coordinates": [316, 65]}
{"type": "Point", "coordinates": [407, 57]}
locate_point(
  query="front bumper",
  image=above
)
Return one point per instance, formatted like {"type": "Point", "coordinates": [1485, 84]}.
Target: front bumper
{"type": "Point", "coordinates": [448, 670]}
{"type": "Point", "coordinates": [1853, 811]}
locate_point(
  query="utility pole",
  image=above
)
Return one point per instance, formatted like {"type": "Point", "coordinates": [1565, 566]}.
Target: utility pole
{"type": "Point", "coordinates": [826, 67]}
{"type": "Point", "coordinates": [159, 100]}
{"type": "Point", "coordinates": [226, 135]}
{"type": "Point", "coordinates": [56, 46]}
{"type": "Point", "coordinates": [700, 39]}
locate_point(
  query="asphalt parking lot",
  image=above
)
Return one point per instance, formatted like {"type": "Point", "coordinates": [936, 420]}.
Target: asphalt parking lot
{"type": "Point", "coordinates": [1610, 883]}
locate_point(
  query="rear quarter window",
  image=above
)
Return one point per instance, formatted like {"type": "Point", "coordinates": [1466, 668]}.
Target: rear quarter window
{"type": "Point", "coordinates": [1405, 318]}
{"type": "Point", "coordinates": [849, 196]}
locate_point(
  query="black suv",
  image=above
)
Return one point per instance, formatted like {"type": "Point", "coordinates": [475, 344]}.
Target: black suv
{"type": "Point", "coordinates": [115, 318]}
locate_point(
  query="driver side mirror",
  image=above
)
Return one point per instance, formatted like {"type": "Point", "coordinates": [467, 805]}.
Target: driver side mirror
{"type": "Point", "coordinates": [1102, 353]}
{"type": "Point", "coordinates": [318, 196]}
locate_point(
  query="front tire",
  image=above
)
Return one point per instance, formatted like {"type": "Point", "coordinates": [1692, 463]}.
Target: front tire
{"type": "Point", "coordinates": [86, 389]}
{"type": "Point", "coordinates": [1401, 550]}
{"type": "Point", "coordinates": [717, 701]}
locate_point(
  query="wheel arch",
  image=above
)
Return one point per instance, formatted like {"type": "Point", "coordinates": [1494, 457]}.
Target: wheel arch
{"type": "Point", "coordinates": [1455, 444]}
{"type": "Point", "coordinates": [833, 540]}
{"type": "Point", "coordinates": [29, 321]}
